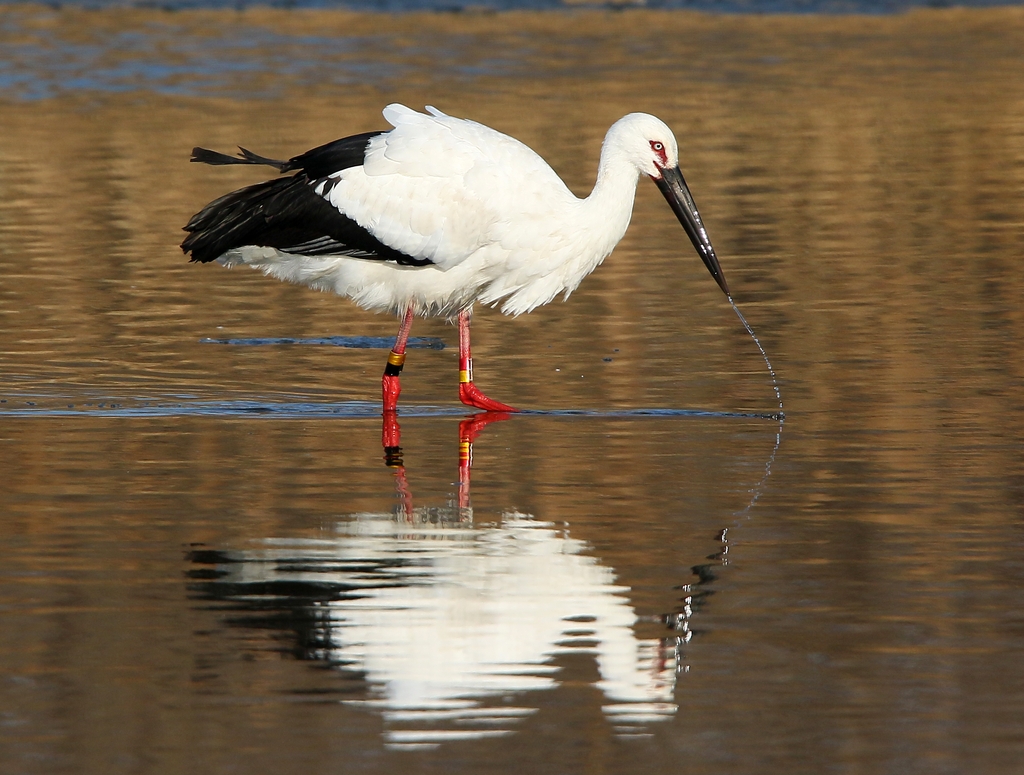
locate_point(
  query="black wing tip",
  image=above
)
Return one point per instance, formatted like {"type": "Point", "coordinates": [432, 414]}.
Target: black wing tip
{"type": "Point", "coordinates": [254, 158]}
{"type": "Point", "coordinates": [245, 156]}
{"type": "Point", "coordinates": [195, 253]}
{"type": "Point", "coordinates": [206, 156]}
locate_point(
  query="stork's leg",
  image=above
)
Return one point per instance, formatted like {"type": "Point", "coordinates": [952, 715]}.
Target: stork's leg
{"type": "Point", "coordinates": [469, 394]}
{"type": "Point", "coordinates": [391, 387]}
{"type": "Point", "coordinates": [469, 429]}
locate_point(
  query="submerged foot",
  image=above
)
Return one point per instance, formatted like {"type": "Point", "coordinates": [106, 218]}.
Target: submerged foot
{"type": "Point", "coordinates": [473, 425]}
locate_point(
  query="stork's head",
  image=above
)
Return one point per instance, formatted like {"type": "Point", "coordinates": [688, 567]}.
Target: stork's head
{"type": "Point", "coordinates": [651, 147]}
{"type": "Point", "coordinates": [648, 144]}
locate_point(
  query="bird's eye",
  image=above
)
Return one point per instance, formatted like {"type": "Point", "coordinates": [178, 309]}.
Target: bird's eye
{"type": "Point", "coordinates": [658, 146]}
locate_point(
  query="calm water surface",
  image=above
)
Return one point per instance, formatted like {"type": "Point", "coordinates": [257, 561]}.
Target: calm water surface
{"type": "Point", "coordinates": [209, 567]}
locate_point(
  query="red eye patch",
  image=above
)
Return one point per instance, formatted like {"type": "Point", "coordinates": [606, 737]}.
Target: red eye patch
{"type": "Point", "coordinates": [659, 151]}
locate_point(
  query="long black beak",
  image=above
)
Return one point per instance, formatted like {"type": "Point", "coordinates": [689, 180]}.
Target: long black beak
{"type": "Point", "coordinates": [674, 188]}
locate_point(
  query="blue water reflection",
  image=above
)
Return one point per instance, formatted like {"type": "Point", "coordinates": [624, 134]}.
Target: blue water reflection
{"type": "Point", "coordinates": [39, 63]}
{"type": "Point", "coordinates": [179, 55]}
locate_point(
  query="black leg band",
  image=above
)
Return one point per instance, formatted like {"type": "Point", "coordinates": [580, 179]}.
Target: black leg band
{"type": "Point", "coordinates": [394, 365]}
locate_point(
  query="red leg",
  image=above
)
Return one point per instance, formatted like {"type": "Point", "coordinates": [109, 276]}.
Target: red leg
{"type": "Point", "coordinates": [465, 466]}
{"type": "Point", "coordinates": [469, 394]}
{"type": "Point", "coordinates": [391, 440]}
{"type": "Point", "coordinates": [469, 429]}
{"type": "Point", "coordinates": [392, 437]}
{"type": "Point", "coordinates": [391, 387]}
{"type": "Point", "coordinates": [405, 510]}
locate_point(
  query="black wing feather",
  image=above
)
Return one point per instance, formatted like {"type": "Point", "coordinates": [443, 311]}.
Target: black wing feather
{"type": "Point", "coordinates": [216, 159]}
{"type": "Point", "coordinates": [331, 157]}
{"type": "Point", "coordinates": [287, 213]}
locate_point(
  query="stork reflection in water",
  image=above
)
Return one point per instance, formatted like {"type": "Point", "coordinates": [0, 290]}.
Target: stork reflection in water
{"type": "Point", "coordinates": [447, 628]}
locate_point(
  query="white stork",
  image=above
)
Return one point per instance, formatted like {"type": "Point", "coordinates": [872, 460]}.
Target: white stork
{"type": "Point", "coordinates": [436, 214]}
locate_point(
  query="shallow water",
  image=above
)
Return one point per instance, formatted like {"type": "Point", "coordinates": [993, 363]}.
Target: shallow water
{"type": "Point", "coordinates": [210, 568]}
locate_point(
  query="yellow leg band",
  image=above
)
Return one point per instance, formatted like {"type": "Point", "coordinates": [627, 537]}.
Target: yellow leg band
{"type": "Point", "coordinates": [396, 359]}
{"type": "Point", "coordinates": [464, 375]}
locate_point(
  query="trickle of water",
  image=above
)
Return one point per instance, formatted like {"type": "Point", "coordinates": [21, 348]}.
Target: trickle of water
{"type": "Point", "coordinates": [768, 363]}
{"type": "Point", "coordinates": [781, 416]}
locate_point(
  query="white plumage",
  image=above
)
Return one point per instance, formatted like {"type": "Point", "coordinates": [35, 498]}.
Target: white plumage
{"type": "Point", "coordinates": [463, 213]}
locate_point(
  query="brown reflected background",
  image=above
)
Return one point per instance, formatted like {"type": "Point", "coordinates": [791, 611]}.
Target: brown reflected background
{"type": "Point", "coordinates": [862, 181]}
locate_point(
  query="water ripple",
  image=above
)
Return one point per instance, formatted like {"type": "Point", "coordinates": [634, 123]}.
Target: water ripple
{"type": "Point", "coordinates": [185, 406]}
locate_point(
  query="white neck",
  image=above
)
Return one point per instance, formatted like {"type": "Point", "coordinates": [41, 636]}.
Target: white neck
{"type": "Point", "coordinates": [605, 214]}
